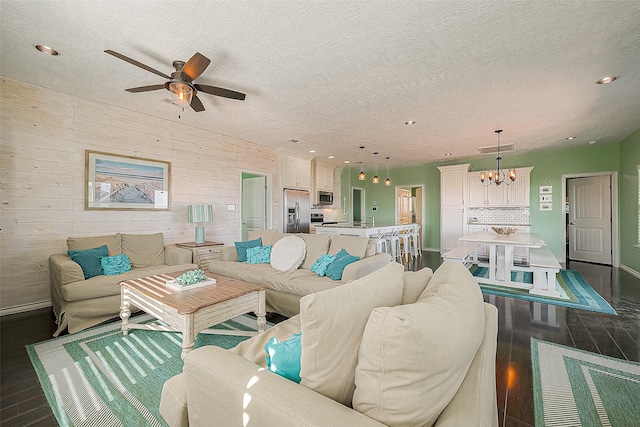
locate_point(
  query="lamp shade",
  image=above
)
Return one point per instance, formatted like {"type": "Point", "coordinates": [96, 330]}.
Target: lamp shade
{"type": "Point", "coordinates": [200, 213]}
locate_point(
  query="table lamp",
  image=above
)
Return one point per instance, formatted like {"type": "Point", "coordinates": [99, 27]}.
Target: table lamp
{"type": "Point", "coordinates": [200, 214]}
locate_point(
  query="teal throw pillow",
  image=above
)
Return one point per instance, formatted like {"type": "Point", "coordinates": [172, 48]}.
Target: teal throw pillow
{"type": "Point", "coordinates": [89, 260]}
{"type": "Point", "coordinates": [259, 255]}
{"type": "Point", "coordinates": [283, 357]}
{"type": "Point", "coordinates": [242, 247]}
{"type": "Point", "coordinates": [320, 266]}
{"type": "Point", "coordinates": [117, 264]}
{"type": "Point", "coordinates": [336, 268]}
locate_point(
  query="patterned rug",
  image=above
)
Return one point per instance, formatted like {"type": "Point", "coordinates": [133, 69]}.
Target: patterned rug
{"type": "Point", "coordinates": [99, 377]}
{"type": "Point", "coordinates": [575, 292]}
{"type": "Point", "coordinates": [578, 388]}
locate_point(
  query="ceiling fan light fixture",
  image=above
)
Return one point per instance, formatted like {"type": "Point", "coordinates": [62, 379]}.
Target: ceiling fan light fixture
{"type": "Point", "coordinates": [181, 94]}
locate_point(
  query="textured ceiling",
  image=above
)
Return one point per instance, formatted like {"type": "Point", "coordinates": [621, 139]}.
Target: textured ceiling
{"type": "Point", "coordinates": [337, 75]}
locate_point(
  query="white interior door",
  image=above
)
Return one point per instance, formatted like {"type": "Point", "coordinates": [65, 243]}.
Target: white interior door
{"type": "Point", "coordinates": [404, 206]}
{"type": "Point", "coordinates": [590, 219]}
{"type": "Point", "coordinates": [254, 206]}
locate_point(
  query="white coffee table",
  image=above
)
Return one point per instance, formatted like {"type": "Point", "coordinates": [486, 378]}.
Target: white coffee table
{"type": "Point", "coordinates": [191, 311]}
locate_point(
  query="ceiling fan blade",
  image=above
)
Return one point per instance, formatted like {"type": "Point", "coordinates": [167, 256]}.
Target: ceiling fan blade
{"type": "Point", "coordinates": [136, 63]}
{"type": "Point", "coordinates": [196, 104]}
{"type": "Point", "coordinates": [196, 65]}
{"type": "Point", "coordinates": [145, 88]}
{"type": "Point", "coordinates": [218, 91]}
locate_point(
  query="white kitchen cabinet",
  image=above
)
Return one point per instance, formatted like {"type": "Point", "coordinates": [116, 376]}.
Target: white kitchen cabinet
{"type": "Point", "coordinates": [502, 195]}
{"type": "Point", "coordinates": [323, 177]}
{"type": "Point", "coordinates": [453, 193]}
{"type": "Point", "coordinates": [296, 172]}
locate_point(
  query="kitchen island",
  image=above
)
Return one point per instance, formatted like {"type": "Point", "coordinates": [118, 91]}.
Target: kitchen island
{"type": "Point", "coordinates": [363, 230]}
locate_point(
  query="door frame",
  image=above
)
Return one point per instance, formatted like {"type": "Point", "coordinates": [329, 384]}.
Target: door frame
{"type": "Point", "coordinates": [424, 201]}
{"type": "Point", "coordinates": [615, 231]}
{"type": "Point", "coordinates": [268, 198]}
{"type": "Point", "coordinates": [363, 209]}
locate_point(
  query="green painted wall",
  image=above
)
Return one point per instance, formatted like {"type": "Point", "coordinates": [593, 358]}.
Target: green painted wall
{"type": "Point", "coordinates": [629, 204]}
{"type": "Point", "coordinates": [547, 164]}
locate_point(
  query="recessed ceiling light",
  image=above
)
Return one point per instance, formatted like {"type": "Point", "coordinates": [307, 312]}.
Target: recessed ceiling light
{"type": "Point", "coordinates": [346, 162]}
{"type": "Point", "coordinates": [606, 79]}
{"type": "Point", "coordinates": [312, 151]}
{"type": "Point", "coordinates": [447, 154]}
{"type": "Point", "coordinates": [592, 142]}
{"type": "Point", "coordinates": [46, 49]}
{"type": "Point", "coordinates": [409, 123]}
{"type": "Point", "coordinates": [570, 138]}
{"type": "Point", "coordinates": [295, 141]}
{"type": "Point", "coordinates": [331, 157]}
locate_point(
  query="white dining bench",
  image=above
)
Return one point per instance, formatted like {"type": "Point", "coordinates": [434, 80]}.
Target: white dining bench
{"type": "Point", "coordinates": [544, 266]}
{"type": "Point", "coordinates": [465, 253]}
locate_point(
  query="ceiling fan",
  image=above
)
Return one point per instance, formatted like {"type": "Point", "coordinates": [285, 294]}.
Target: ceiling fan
{"type": "Point", "coordinates": [181, 82]}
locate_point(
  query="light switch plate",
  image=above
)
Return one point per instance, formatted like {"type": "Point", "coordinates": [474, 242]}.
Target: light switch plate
{"type": "Point", "coordinates": [231, 207]}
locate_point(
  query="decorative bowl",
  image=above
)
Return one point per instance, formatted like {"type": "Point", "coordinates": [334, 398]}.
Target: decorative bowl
{"type": "Point", "coordinates": [504, 230]}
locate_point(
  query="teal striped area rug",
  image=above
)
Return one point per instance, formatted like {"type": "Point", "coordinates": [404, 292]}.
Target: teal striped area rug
{"type": "Point", "coordinates": [577, 388]}
{"type": "Point", "coordinates": [575, 292]}
{"type": "Point", "coordinates": [100, 377]}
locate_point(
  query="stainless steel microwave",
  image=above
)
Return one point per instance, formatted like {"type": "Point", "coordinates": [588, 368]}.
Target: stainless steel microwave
{"type": "Point", "coordinates": [325, 198]}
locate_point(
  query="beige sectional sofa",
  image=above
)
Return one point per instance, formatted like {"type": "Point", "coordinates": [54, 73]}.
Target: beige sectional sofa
{"type": "Point", "coordinates": [80, 303]}
{"type": "Point", "coordinates": [286, 288]}
{"type": "Point", "coordinates": [392, 348]}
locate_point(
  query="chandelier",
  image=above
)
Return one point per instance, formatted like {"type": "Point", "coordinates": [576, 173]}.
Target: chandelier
{"type": "Point", "coordinates": [498, 176]}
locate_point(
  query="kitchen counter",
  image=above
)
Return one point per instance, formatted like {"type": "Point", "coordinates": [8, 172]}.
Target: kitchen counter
{"type": "Point", "coordinates": [368, 230]}
{"type": "Point", "coordinates": [498, 224]}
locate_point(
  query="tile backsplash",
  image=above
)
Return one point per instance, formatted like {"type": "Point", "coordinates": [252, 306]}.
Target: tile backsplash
{"type": "Point", "coordinates": [499, 216]}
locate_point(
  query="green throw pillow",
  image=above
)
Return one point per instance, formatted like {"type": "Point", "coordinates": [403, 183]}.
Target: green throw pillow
{"type": "Point", "coordinates": [336, 268]}
{"type": "Point", "coordinates": [242, 247]}
{"type": "Point", "coordinates": [322, 263]}
{"type": "Point", "coordinates": [259, 255]}
{"type": "Point", "coordinates": [283, 357]}
{"type": "Point", "coordinates": [117, 264]}
{"type": "Point", "coordinates": [89, 260]}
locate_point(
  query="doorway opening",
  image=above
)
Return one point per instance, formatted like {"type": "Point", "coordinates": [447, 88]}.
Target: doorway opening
{"type": "Point", "coordinates": [589, 218]}
{"type": "Point", "coordinates": [410, 206]}
{"type": "Point", "coordinates": [357, 205]}
{"type": "Point", "coordinates": [255, 212]}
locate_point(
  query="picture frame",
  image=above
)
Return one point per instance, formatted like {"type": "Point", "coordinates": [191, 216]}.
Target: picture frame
{"type": "Point", "coordinates": [545, 198]}
{"type": "Point", "coordinates": [119, 182]}
{"type": "Point", "coordinates": [545, 206]}
{"type": "Point", "coordinates": [545, 189]}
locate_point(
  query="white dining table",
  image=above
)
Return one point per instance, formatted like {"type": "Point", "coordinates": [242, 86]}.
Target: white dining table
{"type": "Point", "coordinates": [501, 254]}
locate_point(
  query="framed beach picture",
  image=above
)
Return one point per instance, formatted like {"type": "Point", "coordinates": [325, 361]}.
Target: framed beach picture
{"type": "Point", "coordinates": [545, 206]}
{"type": "Point", "coordinates": [545, 189]}
{"type": "Point", "coordinates": [545, 198]}
{"type": "Point", "coordinates": [117, 182]}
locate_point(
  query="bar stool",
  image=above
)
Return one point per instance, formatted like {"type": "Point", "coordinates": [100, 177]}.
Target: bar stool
{"type": "Point", "coordinates": [404, 236]}
{"type": "Point", "coordinates": [381, 243]}
{"type": "Point", "coordinates": [416, 246]}
{"type": "Point", "coordinates": [393, 244]}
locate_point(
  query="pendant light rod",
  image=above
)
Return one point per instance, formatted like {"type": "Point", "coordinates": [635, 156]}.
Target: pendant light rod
{"type": "Point", "coordinates": [362, 175]}
{"type": "Point", "coordinates": [376, 179]}
{"type": "Point", "coordinates": [387, 181]}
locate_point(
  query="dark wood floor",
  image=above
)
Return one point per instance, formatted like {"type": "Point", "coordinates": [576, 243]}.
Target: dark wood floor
{"type": "Point", "coordinates": [22, 402]}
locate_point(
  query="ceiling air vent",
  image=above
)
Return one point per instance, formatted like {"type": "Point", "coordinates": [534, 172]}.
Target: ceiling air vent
{"type": "Point", "coordinates": [494, 149]}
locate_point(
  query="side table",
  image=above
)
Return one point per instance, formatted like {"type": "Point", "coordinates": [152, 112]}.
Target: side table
{"type": "Point", "coordinates": [203, 253]}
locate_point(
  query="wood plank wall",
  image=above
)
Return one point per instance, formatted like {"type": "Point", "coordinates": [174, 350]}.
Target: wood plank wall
{"type": "Point", "coordinates": [44, 135]}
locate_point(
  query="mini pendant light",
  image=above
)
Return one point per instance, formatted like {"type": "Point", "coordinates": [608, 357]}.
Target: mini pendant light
{"type": "Point", "coordinates": [376, 179]}
{"type": "Point", "coordinates": [361, 175]}
{"type": "Point", "coordinates": [387, 181]}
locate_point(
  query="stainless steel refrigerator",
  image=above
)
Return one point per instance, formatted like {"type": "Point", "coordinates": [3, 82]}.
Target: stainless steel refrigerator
{"type": "Point", "coordinates": [297, 211]}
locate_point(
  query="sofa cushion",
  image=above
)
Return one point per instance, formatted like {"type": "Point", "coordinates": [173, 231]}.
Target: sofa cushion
{"type": "Point", "coordinates": [269, 237]}
{"type": "Point", "coordinates": [283, 357]}
{"type": "Point", "coordinates": [332, 323]}
{"type": "Point", "coordinates": [259, 255]}
{"type": "Point", "coordinates": [241, 248]}
{"type": "Point", "coordinates": [287, 254]}
{"type": "Point", "coordinates": [414, 284]}
{"type": "Point", "coordinates": [335, 269]}
{"type": "Point", "coordinates": [117, 264]}
{"type": "Point", "coordinates": [354, 245]}
{"type": "Point", "coordinates": [253, 348]}
{"type": "Point", "coordinates": [317, 244]}
{"type": "Point", "coordinates": [420, 352]}
{"type": "Point", "coordinates": [89, 260]}
{"type": "Point", "coordinates": [113, 242]}
{"type": "Point", "coordinates": [144, 250]}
